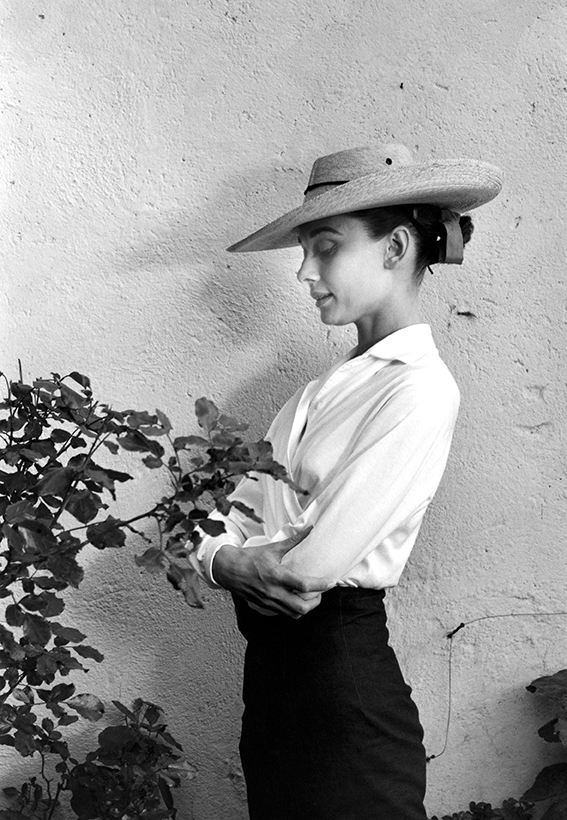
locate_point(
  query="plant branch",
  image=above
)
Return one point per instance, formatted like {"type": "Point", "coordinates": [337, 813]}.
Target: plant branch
{"type": "Point", "coordinates": [78, 477]}
{"type": "Point", "coordinates": [54, 802]}
{"type": "Point", "coordinates": [4, 697]}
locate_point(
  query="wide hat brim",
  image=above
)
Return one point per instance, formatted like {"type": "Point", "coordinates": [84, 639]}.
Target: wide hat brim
{"type": "Point", "coordinates": [459, 185]}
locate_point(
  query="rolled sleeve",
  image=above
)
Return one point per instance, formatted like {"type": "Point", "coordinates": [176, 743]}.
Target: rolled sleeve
{"type": "Point", "coordinates": [376, 498]}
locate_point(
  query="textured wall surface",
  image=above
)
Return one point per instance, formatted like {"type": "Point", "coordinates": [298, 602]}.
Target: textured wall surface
{"type": "Point", "coordinates": [141, 138]}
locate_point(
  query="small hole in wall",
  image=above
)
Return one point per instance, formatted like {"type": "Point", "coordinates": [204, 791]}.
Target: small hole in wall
{"type": "Point", "coordinates": [388, 161]}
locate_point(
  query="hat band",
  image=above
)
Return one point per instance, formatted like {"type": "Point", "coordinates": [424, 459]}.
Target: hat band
{"type": "Point", "coordinates": [322, 184]}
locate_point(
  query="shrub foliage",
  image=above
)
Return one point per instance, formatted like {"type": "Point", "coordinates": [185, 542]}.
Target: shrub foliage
{"type": "Point", "coordinates": [55, 487]}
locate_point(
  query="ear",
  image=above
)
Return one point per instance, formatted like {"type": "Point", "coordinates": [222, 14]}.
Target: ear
{"type": "Point", "coordinates": [397, 247]}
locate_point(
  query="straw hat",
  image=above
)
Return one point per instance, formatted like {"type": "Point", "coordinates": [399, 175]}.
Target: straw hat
{"type": "Point", "coordinates": [376, 177]}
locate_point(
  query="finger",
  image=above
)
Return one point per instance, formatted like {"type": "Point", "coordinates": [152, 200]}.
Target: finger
{"type": "Point", "coordinates": [281, 547]}
{"type": "Point", "coordinates": [307, 605]}
{"type": "Point", "coordinates": [315, 585]}
{"type": "Point", "coordinates": [308, 596]}
{"type": "Point", "coordinates": [296, 583]}
{"type": "Point", "coordinates": [262, 609]}
{"type": "Point", "coordinates": [282, 603]}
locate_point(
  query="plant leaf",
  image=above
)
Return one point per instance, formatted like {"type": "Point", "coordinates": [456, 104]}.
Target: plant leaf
{"type": "Point", "coordinates": [152, 462]}
{"type": "Point", "coordinates": [212, 527]}
{"type": "Point", "coordinates": [186, 581]}
{"type": "Point", "coordinates": [84, 381]}
{"type": "Point", "coordinates": [59, 435]}
{"type": "Point", "coordinates": [83, 505]}
{"type": "Point", "coordinates": [58, 693]}
{"type": "Point", "coordinates": [552, 686]}
{"type": "Point", "coordinates": [65, 568]}
{"type": "Point", "coordinates": [549, 732]}
{"type": "Point", "coordinates": [106, 534]}
{"type": "Point", "coordinates": [152, 560]}
{"type": "Point", "coordinates": [124, 710]}
{"type": "Point", "coordinates": [45, 602]}
{"type": "Point", "coordinates": [67, 633]}
{"type": "Point", "coordinates": [207, 414]}
{"type": "Point", "coordinates": [115, 738]}
{"type": "Point", "coordinates": [89, 652]}
{"type": "Point", "coordinates": [25, 743]}
{"type": "Point", "coordinates": [22, 695]}
{"type": "Point", "coordinates": [88, 706]}
{"type": "Point", "coordinates": [557, 811]}
{"type": "Point", "coordinates": [20, 511]}
{"type": "Point", "coordinates": [550, 782]}
{"type": "Point", "coordinates": [232, 425]}
{"type": "Point", "coordinates": [36, 629]}
{"type": "Point", "coordinates": [106, 478]}
{"type": "Point", "coordinates": [165, 792]}
{"type": "Point", "coordinates": [56, 481]}
{"type": "Point", "coordinates": [14, 615]}
{"type": "Point", "coordinates": [164, 421]}
{"type": "Point", "coordinates": [247, 511]}
{"type": "Point", "coordinates": [72, 399]}
{"type": "Point", "coordinates": [182, 442]}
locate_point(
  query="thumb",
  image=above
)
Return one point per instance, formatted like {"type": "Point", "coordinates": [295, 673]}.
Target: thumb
{"type": "Point", "coordinates": [282, 547]}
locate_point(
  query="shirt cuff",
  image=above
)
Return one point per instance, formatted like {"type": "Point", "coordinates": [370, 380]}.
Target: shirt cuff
{"type": "Point", "coordinates": [202, 559]}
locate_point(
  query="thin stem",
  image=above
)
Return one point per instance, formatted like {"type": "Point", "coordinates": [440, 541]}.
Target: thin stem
{"type": "Point", "coordinates": [46, 780]}
{"type": "Point", "coordinates": [11, 410]}
{"type": "Point", "coordinates": [55, 801]}
{"type": "Point", "coordinates": [4, 697]}
{"type": "Point", "coordinates": [175, 478]}
{"type": "Point", "coordinates": [75, 481]}
{"type": "Point", "coordinates": [119, 523]}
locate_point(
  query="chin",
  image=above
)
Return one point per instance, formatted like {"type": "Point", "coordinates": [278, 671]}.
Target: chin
{"type": "Point", "coordinates": [328, 320]}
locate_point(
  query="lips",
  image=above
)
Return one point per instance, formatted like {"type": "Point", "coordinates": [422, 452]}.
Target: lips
{"type": "Point", "coordinates": [321, 298]}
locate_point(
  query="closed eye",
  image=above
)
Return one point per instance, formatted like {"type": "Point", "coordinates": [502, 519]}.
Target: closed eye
{"type": "Point", "coordinates": [326, 247]}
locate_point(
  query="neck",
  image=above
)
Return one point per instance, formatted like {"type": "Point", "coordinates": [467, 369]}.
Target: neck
{"type": "Point", "coordinates": [372, 329]}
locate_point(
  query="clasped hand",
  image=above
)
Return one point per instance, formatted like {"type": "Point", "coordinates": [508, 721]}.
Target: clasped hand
{"type": "Point", "coordinates": [257, 574]}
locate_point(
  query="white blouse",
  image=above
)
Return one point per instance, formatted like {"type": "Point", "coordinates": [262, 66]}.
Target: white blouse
{"type": "Point", "coordinates": [368, 441]}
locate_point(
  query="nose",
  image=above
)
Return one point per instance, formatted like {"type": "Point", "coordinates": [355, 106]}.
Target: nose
{"type": "Point", "coordinates": [308, 271]}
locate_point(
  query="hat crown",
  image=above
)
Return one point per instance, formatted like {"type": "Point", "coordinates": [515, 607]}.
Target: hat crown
{"type": "Point", "coordinates": [379, 176]}
{"type": "Point", "coordinates": [344, 166]}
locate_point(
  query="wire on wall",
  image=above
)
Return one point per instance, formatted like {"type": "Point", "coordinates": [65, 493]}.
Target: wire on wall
{"type": "Point", "coordinates": [450, 636]}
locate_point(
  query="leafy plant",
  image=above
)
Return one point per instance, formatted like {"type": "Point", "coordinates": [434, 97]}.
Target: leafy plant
{"type": "Point", "coordinates": [551, 783]}
{"type": "Point", "coordinates": [54, 493]}
{"type": "Point", "coordinates": [147, 752]}
{"type": "Point", "coordinates": [547, 796]}
{"type": "Point", "coordinates": [510, 810]}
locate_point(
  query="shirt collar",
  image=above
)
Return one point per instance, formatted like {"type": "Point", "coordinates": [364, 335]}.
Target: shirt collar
{"type": "Point", "coordinates": [407, 345]}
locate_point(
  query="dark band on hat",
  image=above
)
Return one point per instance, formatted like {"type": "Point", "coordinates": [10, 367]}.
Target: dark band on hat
{"type": "Point", "coordinates": [323, 184]}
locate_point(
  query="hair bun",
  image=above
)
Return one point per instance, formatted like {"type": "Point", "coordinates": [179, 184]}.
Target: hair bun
{"type": "Point", "coordinates": [467, 228]}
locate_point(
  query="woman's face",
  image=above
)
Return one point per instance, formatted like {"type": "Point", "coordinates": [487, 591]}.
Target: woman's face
{"type": "Point", "coordinates": [345, 270]}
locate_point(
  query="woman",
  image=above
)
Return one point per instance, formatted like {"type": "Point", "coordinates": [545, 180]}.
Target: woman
{"type": "Point", "coordinates": [330, 731]}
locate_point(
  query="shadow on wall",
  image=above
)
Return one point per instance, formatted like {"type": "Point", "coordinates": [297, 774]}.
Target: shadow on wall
{"type": "Point", "coordinates": [237, 311]}
{"type": "Point", "coordinates": [207, 279]}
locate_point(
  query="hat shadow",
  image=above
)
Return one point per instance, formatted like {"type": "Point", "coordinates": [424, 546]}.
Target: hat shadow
{"type": "Point", "coordinates": [188, 252]}
{"type": "Point", "coordinates": [247, 306]}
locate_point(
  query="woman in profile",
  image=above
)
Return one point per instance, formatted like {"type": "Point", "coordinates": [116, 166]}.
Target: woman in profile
{"type": "Point", "coordinates": [330, 731]}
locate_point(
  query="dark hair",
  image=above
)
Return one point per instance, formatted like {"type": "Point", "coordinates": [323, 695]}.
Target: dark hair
{"type": "Point", "coordinates": [423, 221]}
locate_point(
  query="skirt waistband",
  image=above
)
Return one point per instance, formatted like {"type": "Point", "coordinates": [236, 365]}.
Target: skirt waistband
{"type": "Point", "coordinates": [337, 604]}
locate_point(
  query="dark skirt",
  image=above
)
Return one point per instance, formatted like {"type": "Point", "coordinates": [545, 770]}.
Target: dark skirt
{"type": "Point", "coordinates": [329, 730]}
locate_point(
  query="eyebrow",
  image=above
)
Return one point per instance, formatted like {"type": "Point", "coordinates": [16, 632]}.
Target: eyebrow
{"type": "Point", "coordinates": [323, 229]}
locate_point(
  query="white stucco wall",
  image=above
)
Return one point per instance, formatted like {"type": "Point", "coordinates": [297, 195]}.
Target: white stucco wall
{"type": "Point", "coordinates": [141, 138]}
